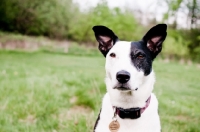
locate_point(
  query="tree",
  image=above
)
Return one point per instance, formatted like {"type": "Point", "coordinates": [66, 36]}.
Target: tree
{"type": "Point", "coordinates": [190, 7]}
{"type": "Point", "coordinates": [194, 12]}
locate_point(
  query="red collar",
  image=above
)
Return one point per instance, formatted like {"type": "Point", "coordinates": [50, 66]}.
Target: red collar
{"type": "Point", "coordinates": [131, 113]}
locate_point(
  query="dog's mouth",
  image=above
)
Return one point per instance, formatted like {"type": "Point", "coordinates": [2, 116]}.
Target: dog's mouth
{"type": "Point", "coordinates": [123, 87]}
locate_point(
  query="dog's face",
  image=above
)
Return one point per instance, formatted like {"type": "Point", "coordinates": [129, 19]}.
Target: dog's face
{"type": "Point", "coordinates": [128, 64]}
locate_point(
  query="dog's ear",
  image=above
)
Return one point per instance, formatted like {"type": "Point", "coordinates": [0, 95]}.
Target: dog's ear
{"type": "Point", "coordinates": [154, 38]}
{"type": "Point", "coordinates": [105, 37]}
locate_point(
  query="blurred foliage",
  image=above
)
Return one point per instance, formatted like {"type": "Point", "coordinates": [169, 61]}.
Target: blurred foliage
{"type": "Point", "coordinates": [121, 22]}
{"type": "Point", "coordinates": [175, 45]}
{"type": "Point", "coordinates": [36, 17]}
{"type": "Point", "coordinates": [62, 19]}
{"type": "Point", "coordinates": [193, 37]}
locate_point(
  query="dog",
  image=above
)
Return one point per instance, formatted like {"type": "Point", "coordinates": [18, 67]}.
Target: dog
{"type": "Point", "coordinates": [129, 104]}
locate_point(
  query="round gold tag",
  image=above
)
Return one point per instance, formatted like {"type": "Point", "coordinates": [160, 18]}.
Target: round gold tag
{"type": "Point", "coordinates": [114, 126]}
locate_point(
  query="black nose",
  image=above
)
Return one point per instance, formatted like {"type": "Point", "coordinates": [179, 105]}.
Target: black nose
{"type": "Point", "coordinates": [123, 76]}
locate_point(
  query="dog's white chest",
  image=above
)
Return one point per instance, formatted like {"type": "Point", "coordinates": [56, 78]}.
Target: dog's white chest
{"type": "Point", "coordinates": [148, 122]}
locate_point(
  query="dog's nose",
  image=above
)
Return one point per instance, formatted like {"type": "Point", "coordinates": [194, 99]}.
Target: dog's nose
{"type": "Point", "coordinates": [123, 76]}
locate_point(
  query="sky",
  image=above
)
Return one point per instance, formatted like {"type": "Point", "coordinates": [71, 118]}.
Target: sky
{"type": "Point", "coordinates": [146, 6]}
{"type": "Point", "coordinates": [143, 4]}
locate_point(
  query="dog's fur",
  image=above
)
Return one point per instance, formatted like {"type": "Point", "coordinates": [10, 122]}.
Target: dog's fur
{"type": "Point", "coordinates": [135, 58]}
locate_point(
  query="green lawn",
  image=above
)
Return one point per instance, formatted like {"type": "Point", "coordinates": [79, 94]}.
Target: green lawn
{"type": "Point", "coordinates": [44, 92]}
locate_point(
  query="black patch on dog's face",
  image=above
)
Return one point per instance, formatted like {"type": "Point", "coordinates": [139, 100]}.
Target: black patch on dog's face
{"type": "Point", "coordinates": [141, 57]}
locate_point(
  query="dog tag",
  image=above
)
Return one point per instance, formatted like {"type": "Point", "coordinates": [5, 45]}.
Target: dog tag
{"type": "Point", "coordinates": [114, 126]}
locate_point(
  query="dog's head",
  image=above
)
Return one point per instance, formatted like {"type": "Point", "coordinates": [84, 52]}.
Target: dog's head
{"type": "Point", "coordinates": [128, 64]}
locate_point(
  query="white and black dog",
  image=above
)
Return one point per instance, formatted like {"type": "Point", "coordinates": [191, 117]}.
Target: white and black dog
{"type": "Point", "coordinates": [129, 100]}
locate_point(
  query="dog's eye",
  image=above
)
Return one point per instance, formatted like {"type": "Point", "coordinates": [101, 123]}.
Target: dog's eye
{"type": "Point", "coordinates": [112, 55]}
{"type": "Point", "coordinates": [140, 56]}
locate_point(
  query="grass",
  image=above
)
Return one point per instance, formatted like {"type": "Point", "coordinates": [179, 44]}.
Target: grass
{"type": "Point", "coordinates": [44, 92]}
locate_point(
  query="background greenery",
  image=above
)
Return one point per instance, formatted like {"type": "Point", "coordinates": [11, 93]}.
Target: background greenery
{"type": "Point", "coordinates": [62, 19]}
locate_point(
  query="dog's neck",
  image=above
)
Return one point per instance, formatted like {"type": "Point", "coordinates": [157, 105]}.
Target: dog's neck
{"type": "Point", "coordinates": [129, 100]}
{"type": "Point", "coordinates": [131, 113]}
